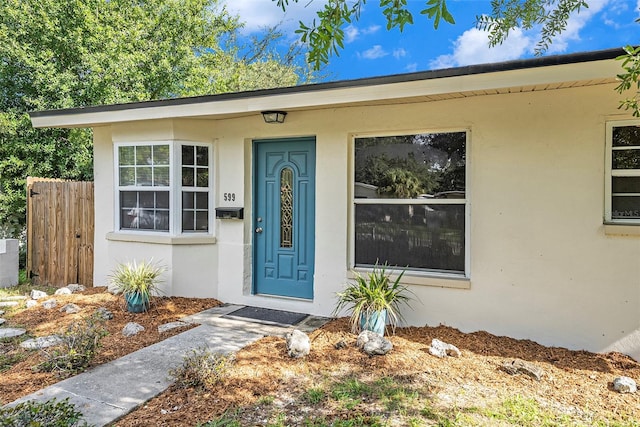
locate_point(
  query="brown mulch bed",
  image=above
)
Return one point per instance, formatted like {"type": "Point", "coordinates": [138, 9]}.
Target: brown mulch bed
{"type": "Point", "coordinates": [573, 380]}
{"type": "Point", "coordinates": [20, 380]}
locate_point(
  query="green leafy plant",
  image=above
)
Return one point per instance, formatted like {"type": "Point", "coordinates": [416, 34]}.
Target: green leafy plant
{"type": "Point", "coordinates": [80, 343]}
{"type": "Point", "coordinates": [51, 413]}
{"type": "Point", "coordinates": [373, 293]}
{"type": "Point", "coordinates": [138, 280]}
{"type": "Point", "coordinates": [202, 369]}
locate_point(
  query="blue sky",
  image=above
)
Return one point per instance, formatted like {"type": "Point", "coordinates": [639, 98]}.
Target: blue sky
{"type": "Point", "coordinates": [371, 50]}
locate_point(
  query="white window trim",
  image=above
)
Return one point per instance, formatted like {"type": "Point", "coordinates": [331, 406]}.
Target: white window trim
{"type": "Point", "coordinates": [175, 189]}
{"type": "Point", "coordinates": [610, 172]}
{"type": "Point", "coordinates": [416, 277]}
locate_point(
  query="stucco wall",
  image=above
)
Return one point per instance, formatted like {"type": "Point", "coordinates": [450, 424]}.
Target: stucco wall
{"type": "Point", "coordinates": [541, 266]}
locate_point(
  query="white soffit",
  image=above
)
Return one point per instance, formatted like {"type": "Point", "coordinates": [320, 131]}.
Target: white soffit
{"type": "Point", "coordinates": [538, 78]}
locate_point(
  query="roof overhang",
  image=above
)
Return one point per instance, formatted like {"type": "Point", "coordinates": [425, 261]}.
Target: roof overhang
{"type": "Point", "coordinates": [545, 73]}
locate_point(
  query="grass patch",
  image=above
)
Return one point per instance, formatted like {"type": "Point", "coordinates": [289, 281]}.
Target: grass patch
{"type": "Point", "coordinates": [314, 395]}
{"type": "Point", "coordinates": [7, 360]}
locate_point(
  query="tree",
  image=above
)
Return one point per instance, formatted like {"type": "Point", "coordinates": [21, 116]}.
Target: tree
{"type": "Point", "coordinates": [61, 54]}
{"type": "Point", "coordinates": [326, 36]}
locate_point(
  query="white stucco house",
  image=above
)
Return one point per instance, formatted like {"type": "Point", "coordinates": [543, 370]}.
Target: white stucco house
{"type": "Point", "coordinates": [510, 192]}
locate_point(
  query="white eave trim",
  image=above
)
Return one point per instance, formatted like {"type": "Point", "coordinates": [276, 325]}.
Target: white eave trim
{"type": "Point", "coordinates": [583, 71]}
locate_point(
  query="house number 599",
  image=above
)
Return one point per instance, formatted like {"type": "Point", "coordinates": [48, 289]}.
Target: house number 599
{"type": "Point", "coordinates": [229, 197]}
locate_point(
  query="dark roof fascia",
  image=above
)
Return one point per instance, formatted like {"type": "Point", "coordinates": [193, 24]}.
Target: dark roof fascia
{"type": "Point", "coordinates": [521, 64]}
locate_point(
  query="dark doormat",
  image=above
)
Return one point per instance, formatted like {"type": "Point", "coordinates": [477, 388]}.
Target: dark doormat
{"type": "Point", "coordinates": [268, 316]}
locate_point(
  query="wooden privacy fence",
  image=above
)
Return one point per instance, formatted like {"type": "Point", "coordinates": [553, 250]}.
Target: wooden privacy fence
{"type": "Point", "coordinates": [60, 224]}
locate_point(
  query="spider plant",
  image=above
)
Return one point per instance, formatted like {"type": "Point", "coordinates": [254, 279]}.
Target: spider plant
{"type": "Point", "coordinates": [375, 293]}
{"type": "Point", "coordinates": [137, 281]}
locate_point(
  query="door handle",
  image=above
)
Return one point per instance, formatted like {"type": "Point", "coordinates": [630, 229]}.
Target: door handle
{"type": "Point", "coordinates": [259, 230]}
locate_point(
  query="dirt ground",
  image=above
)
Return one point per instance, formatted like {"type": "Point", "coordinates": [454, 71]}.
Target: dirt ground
{"type": "Point", "coordinates": [20, 380]}
{"type": "Point", "coordinates": [573, 381]}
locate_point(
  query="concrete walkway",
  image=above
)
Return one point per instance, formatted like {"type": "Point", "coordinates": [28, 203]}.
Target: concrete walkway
{"type": "Point", "coordinates": [112, 390]}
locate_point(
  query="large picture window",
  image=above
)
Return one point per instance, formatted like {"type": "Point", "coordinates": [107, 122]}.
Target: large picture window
{"type": "Point", "coordinates": [623, 180]}
{"type": "Point", "coordinates": [410, 201]}
{"type": "Point", "coordinates": [147, 186]}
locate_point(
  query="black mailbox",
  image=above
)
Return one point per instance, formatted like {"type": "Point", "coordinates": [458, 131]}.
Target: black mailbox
{"type": "Point", "coordinates": [230, 213]}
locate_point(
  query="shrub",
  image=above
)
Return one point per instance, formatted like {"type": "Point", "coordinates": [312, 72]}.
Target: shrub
{"type": "Point", "coordinates": [202, 369]}
{"type": "Point", "coordinates": [79, 344]}
{"type": "Point", "coordinates": [51, 413]}
{"type": "Point", "coordinates": [138, 280]}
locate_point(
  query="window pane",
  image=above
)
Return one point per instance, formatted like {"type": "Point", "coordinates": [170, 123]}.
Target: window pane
{"type": "Point", "coordinates": [161, 220]}
{"type": "Point", "coordinates": [203, 177]}
{"type": "Point", "coordinates": [128, 199]}
{"type": "Point", "coordinates": [626, 159]}
{"type": "Point", "coordinates": [161, 176]}
{"type": "Point", "coordinates": [409, 166]}
{"type": "Point", "coordinates": [160, 154]}
{"type": "Point", "coordinates": [143, 155]}
{"type": "Point", "coordinates": [625, 184]}
{"type": "Point", "coordinates": [143, 176]}
{"type": "Point", "coordinates": [625, 207]}
{"type": "Point", "coordinates": [147, 199]}
{"type": "Point", "coordinates": [187, 177]}
{"type": "Point", "coordinates": [162, 199]}
{"type": "Point", "coordinates": [202, 200]}
{"type": "Point", "coordinates": [202, 221]}
{"type": "Point", "coordinates": [127, 175]}
{"type": "Point", "coordinates": [126, 155]}
{"type": "Point", "coordinates": [188, 155]}
{"type": "Point", "coordinates": [415, 236]}
{"type": "Point", "coordinates": [626, 136]}
{"type": "Point", "coordinates": [188, 223]}
{"type": "Point", "coordinates": [202, 154]}
{"type": "Point", "coordinates": [187, 200]}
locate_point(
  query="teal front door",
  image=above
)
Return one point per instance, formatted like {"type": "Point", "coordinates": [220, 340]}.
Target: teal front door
{"type": "Point", "coordinates": [284, 217]}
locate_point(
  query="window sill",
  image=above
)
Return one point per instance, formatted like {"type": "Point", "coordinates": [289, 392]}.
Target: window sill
{"type": "Point", "coordinates": [620, 229]}
{"type": "Point", "coordinates": [453, 281]}
{"type": "Point", "coordinates": [162, 240]}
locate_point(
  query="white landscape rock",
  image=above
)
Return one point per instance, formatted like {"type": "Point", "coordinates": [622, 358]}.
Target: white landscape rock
{"type": "Point", "coordinates": [36, 294]}
{"type": "Point", "coordinates": [63, 291]}
{"type": "Point", "coordinates": [298, 344]}
{"type": "Point", "coordinates": [12, 332]}
{"type": "Point", "coordinates": [373, 344]}
{"type": "Point", "coordinates": [31, 303]}
{"type": "Point", "coordinates": [625, 385]}
{"type": "Point", "coordinates": [1, 312]}
{"type": "Point", "coordinates": [2, 321]}
{"type": "Point", "coordinates": [41, 342]}
{"type": "Point", "coordinates": [172, 325]}
{"type": "Point", "coordinates": [70, 308]}
{"type": "Point", "coordinates": [50, 303]}
{"type": "Point", "coordinates": [75, 288]}
{"type": "Point", "coordinates": [442, 349]}
{"type": "Point", "coordinates": [131, 329]}
{"type": "Point", "coordinates": [8, 303]}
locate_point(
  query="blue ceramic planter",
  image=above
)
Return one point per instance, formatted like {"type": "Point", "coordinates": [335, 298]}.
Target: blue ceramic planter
{"type": "Point", "coordinates": [135, 303]}
{"type": "Point", "coordinates": [374, 322]}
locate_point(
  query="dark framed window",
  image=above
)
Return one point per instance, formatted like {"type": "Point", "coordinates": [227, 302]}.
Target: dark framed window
{"type": "Point", "coordinates": [623, 178]}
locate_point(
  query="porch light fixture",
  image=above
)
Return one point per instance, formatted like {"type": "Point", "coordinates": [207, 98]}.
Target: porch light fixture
{"type": "Point", "coordinates": [274, 116]}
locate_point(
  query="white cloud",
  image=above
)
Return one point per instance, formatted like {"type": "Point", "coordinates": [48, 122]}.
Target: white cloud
{"type": "Point", "coordinates": [351, 32]}
{"type": "Point", "coordinates": [258, 14]}
{"type": "Point", "coordinates": [399, 53]}
{"type": "Point", "coordinates": [374, 53]}
{"type": "Point", "coordinates": [410, 68]}
{"type": "Point", "coordinates": [472, 47]}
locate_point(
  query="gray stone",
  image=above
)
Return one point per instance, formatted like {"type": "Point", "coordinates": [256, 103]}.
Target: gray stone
{"type": "Point", "coordinates": [41, 342]}
{"type": "Point", "coordinates": [70, 308]}
{"type": "Point", "coordinates": [442, 349]}
{"type": "Point", "coordinates": [36, 294]}
{"type": "Point", "coordinates": [13, 298]}
{"type": "Point", "coordinates": [518, 366]}
{"type": "Point", "coordinates": [63, 291]}
{"type": "Point", "coordinates": [373, 344]}
{"type": "Point", "coordinates": [75, 288]}
{"type": "Point", "coordinates": [131, 329]}
{"type": "Point", "coordinates": [2, 321]}
{"type": "Point", "coordinates": [298, 344]}
{"type": "Point", "coordinates": [49, 304]}
{"type": "Point", "coordinates": [11, 332]}
{"type": "Point", "coordinates": [103, 313]}
{"type": "Point", "coordinates": [8, 303]}
{"type": "Point", "coordinates": [169, 326]}
{"type": "Point", "coordinates": [625, 385]}
{"type": "Point", "coordinates": [113, 289]}
{"type": "Point", "coordinates": [31, 303]}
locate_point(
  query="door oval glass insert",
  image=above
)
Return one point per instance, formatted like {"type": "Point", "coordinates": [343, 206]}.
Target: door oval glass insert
{"type": "Point", "coordinates": [286, 208]}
